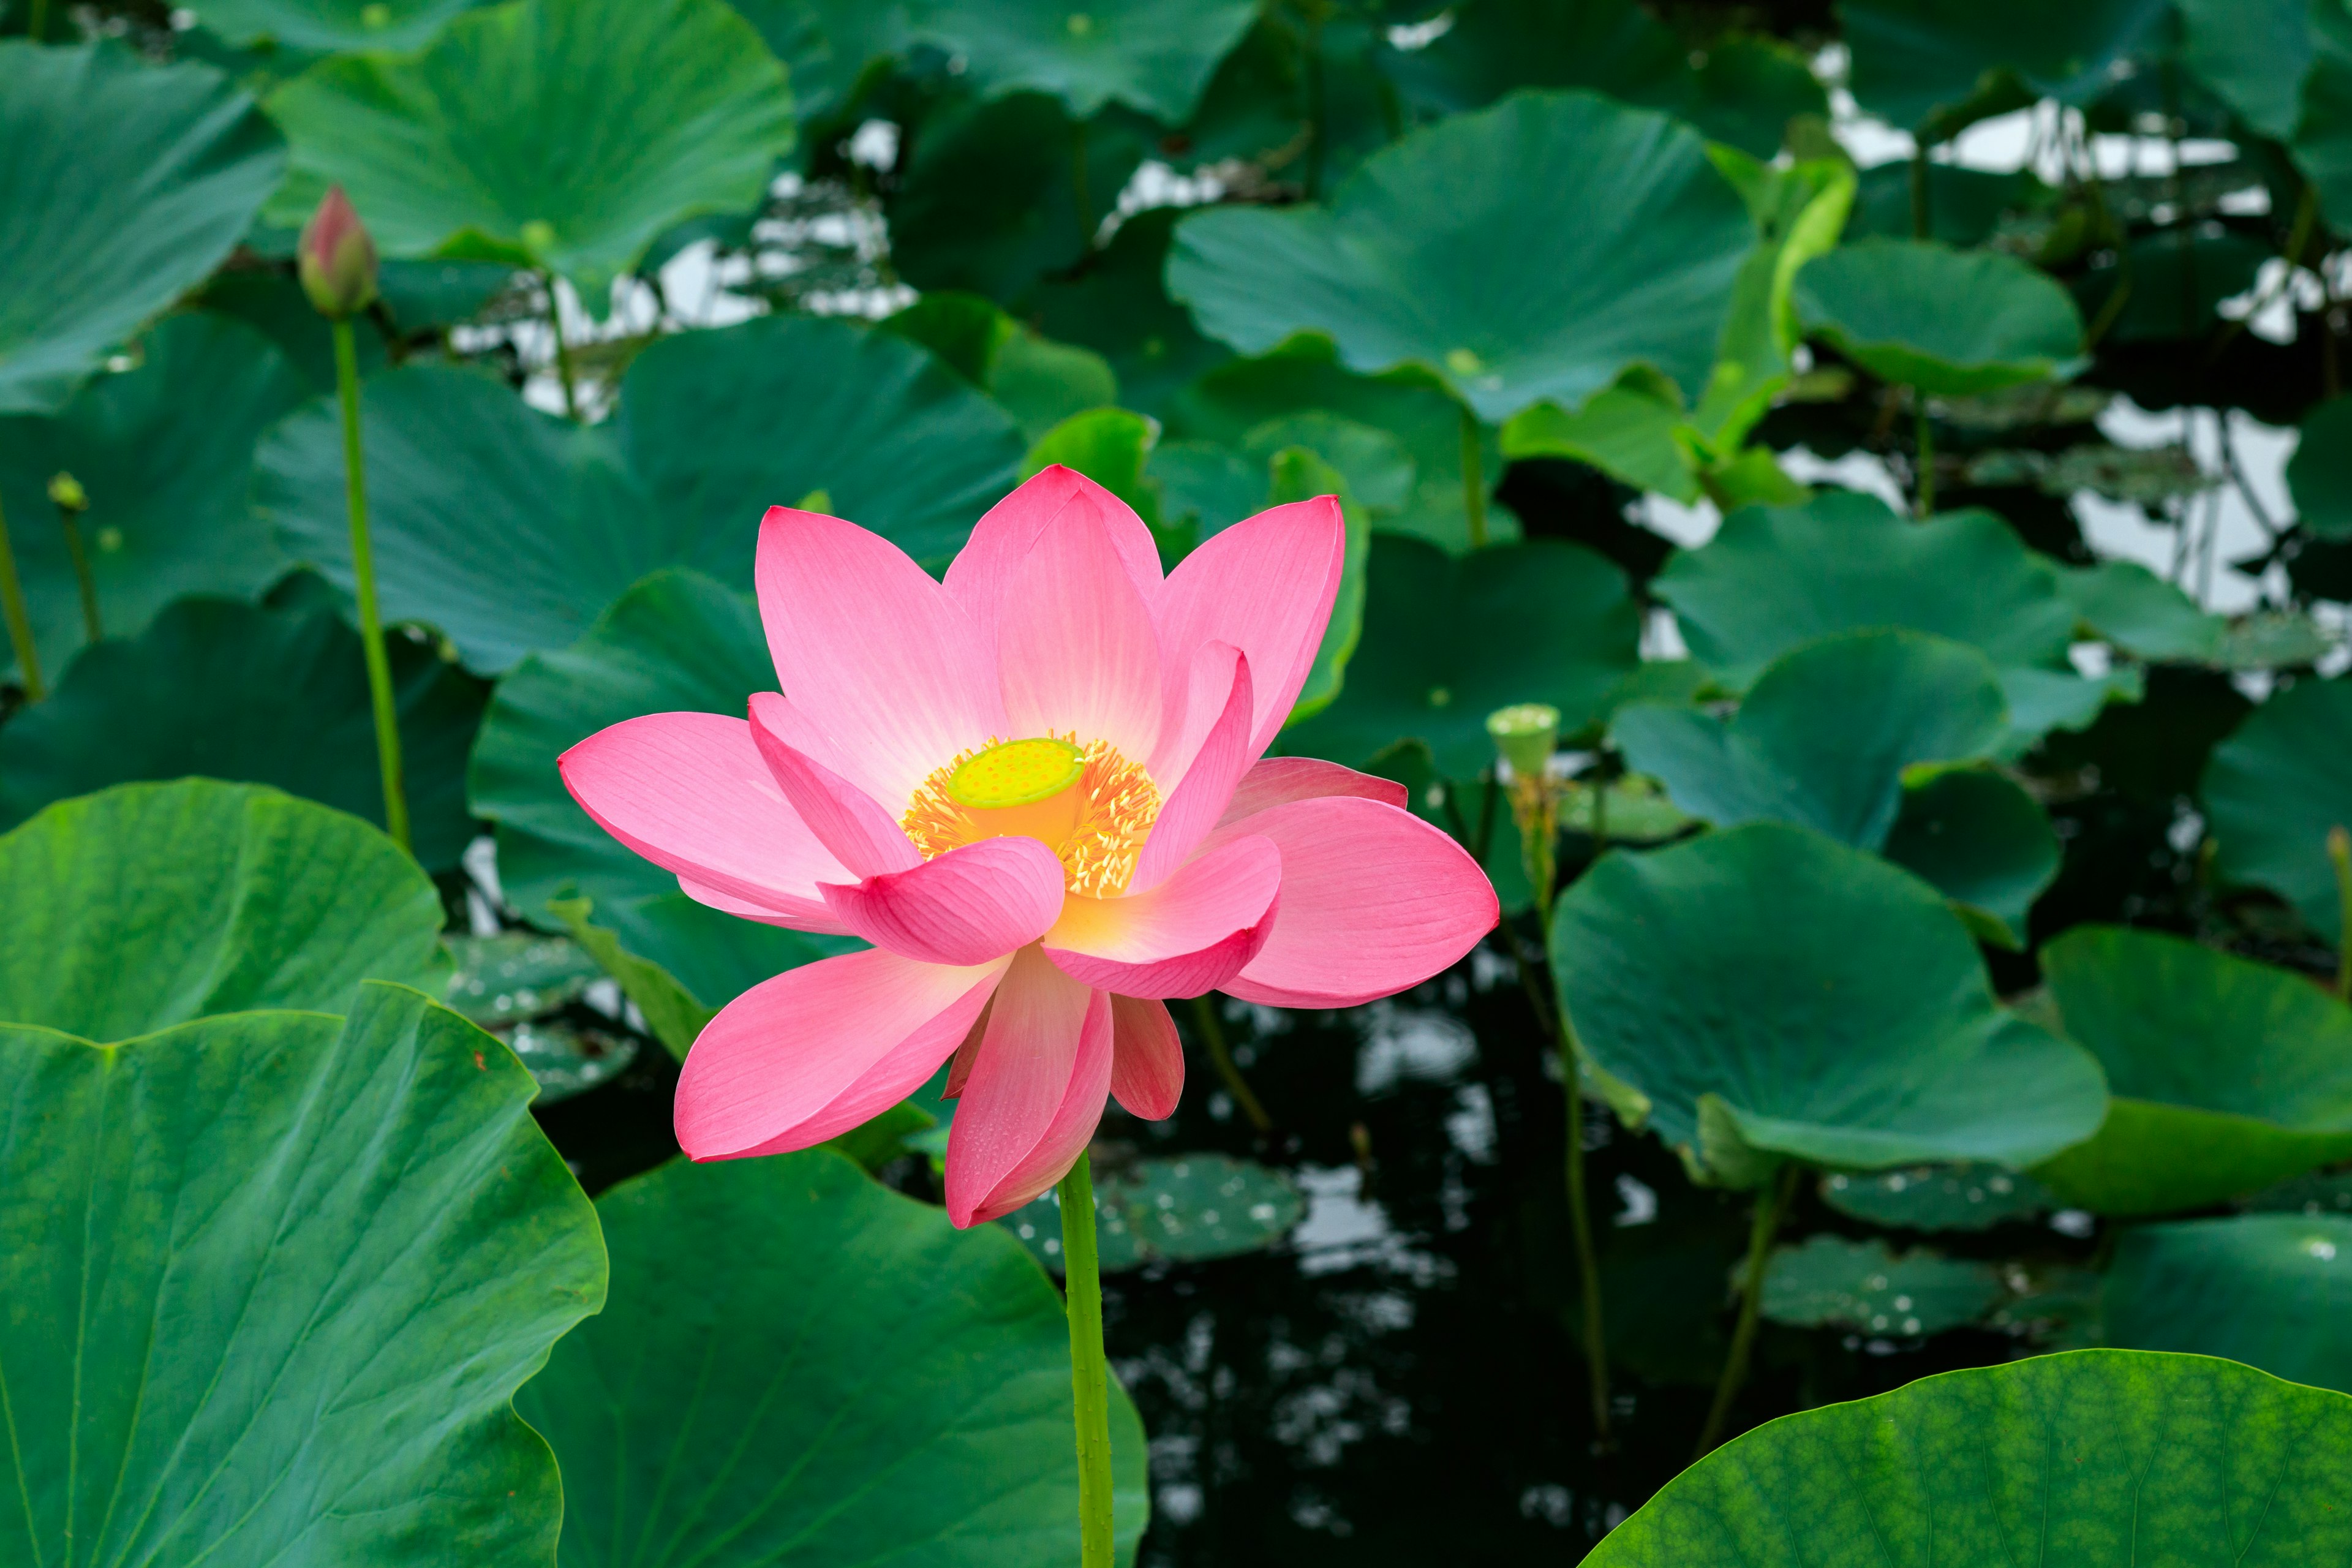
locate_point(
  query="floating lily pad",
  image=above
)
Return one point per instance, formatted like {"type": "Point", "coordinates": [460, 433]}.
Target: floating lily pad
{"type": "Point", "coordinates": [165, 453]}
{"type": "Point", "coordinates": [125, 185]}
{"type": "Point", "coordinates": [1151, 55]}
{"type": "Point", "coordinates": [1829, 1282]}
{"type": "Point", "coordinates": [1947, 321]}
{"type": "Point", "coordinates": [1983, 842]}
{"type": "Point", "coordinates": [2227, 1075]}
{"type": "Point", "coordinates": [1823, 737]}
{"type": "Point", "coordinates": [2093, 1456]}
{"type": "Point", "coordinates": [809, 1345]}
{"type": "Point", "coordinates": [1528, 251]}
{"type": "Point", "coordinates": [514, 976]}
{"type": "Point", "coordinates": [147, 905]}
{"type": "Point", "coordinates": [560, 133]}
{"type": "Point", "coordinates": [1964, 1196]}
{"type": "Point", "coordinates": [2271, 639]}
{"type": "Point", "coordinates": [1769, 994]}
{"type": "Point", "coordinates": [331, 27]}
{"type": "Point", "coordinates": [1929, 63]}
{"type": "Point", "coordinates": [2144, 476]}
{"type": "Point", "coordinates": [2271, 1291]}
{"type": "Point", "coordinates": [2272, 791]}
{"type": "Point", "coordinates": [2314, 1193]}
{"type": "Point", "coordinates": [676, 642]}
{"type": "Point", "coordinates": [275, 697]}
{"type": "Point", "coordinates": [333, 1205]}
{"type": "Point", "coordinates": [1447, 640]}
{"type": "Point", "coordinates": [566, 1059]}
{"type": "Point", "coordinates": [509, 529]}
{"type": "Point", "coordinates": [1185, 1209]}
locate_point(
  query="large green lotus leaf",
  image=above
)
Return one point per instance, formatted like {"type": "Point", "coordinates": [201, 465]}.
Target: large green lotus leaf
{"type": "Point", "coordinates": [417, 296]}
{"type": "Point", "coordinates": [676, 642]}
{"type": "Point", "coordinates": [2253, 54]}
{"type": "Point", "coordinates": [798, 1365]}
{"type": "Point", "coordinates": [151, 904]}
{"type": "Point", "coordinates": [559, 133]}
{"type": "Point", "coordinates": [2272, 1290]}
{"type": "Point", "coordinates": [991, 200]}
{"type": "Point", "coordinates": [2319, 475]}
{"type": "Point", "coordinates": [1529, 251]}
{"type": "Point", "coordinates": [509, 529]}
{"type": "Point", "coordinates": [1150, 54]}
{"type": "Point", "coordinates": [1770, 991]}
{"type": "Point", "coordinates": [2227, 1075]}
{"type": "Point", "coordinates": [2272, 791]}
{"type": "Point", "coordinates": [1984, 842]}
{"type": "Point", "coordinates": [2140, 613]}
{"type": "Point", "coordinates": [1929, 62]}
{"type": "Point", "coordinates": [1950, 322]}
{"type": "Point", "coordinates": [165, 454]}
{"type": "Point", "coordinates": [331, 27]}
{"type": "Point", "coordinates": [2091, 1457]}
{"type": "Point", "coordinates": [123, 184]}
{"type": "Point", "coordinates": [1773, 577]}
{"type": "Point", "coordinates": [2322, 136]}
{"type": "Point", "coordinates": [277, 697]}
{"type": "Point", "coordinates": [1823, 737]}
{"type": "Point", "coordinates": [1447, 640]}
{"type": "Point", "coordinates": [1829, 1282]}
{"type": "Point", "coordinates": [1115, 306]}
{"type": "Point", "coordinates": [1230, 403]}
{"type": "Point", "coordinates": [272, 1281]}
{"type": "Point", "coordinates": [827, 45]}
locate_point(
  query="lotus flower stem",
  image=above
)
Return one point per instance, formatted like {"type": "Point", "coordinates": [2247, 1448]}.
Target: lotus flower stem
{"type": "Point", "coordinates": [1923, 486]}
{"type": "Point", "coordinates": [379, 666]}
{"type": "Point", "coordinates": [563, 371]}
{"type": "Point", "coordinates": [20, 624]}
{"type": "Point", "coordinates": [71, 503]}
{"type": "Point", "coordinates": [37, 26]}
{"type": "Point", "coordinates": [2339, 852]}
{"type": "Point", "coordinates": [1473, 480]}
{"type": "Point", "coordinates": [1771, 1201]}
{"type": "Point", "coordinates": [1089, 1373]}
{"type": "Point", "coordinates": [1213, 1032]}
{"type": "Point", "coordinates": [1579, 1217]}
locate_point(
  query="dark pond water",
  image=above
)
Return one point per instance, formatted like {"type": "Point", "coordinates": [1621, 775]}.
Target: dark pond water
{"type": "Point", "coordinates": [1399, 1380]}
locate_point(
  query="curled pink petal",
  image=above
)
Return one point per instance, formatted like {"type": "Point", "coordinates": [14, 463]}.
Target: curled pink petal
{"type": "Point", "coordinates": [690, 794]}
{"type": "Point", "coordinates": [1209, 778]}
{"type": "Point", "coordinates": [1076, 646]}
{"type": "Point", "coordinates": [978, 578]}
{"type": "Point", "coordinates": [828, 1036]}
{"type": "Point", "coordinates": [959, 1064]}
{"type": "Point", "coordinates": [1373, 900]}
{"type": "Point", "coordinates": [1266, 585]}
{"type": "Point", "coordinates": [850, 822]}
{"type": "Point", "coordinates": [1147, 1060]}
{"type": "Point", "coordinates": [1187, 936]}
{"type": "Point", "coordinates": [872, 652]}
{"type": "Point", "coordinates": [967, 906]}
{"type": "Point", "coordinates": [794, 914]}
{"type": "Point", "coordinates": [1035, 1091]}
{"type": "Point", "coordinates": [1271, 781]}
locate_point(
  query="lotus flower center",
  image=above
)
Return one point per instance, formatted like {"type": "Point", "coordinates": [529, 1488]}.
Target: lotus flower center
{"type": "Point", "coordinates": [1089, 804]}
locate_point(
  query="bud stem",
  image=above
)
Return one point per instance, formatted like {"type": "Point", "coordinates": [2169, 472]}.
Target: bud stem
{"type": "Point", "coordinates": [20, 624]}
{"type": "Point", "coordinates": [563, 351]}
{"type": "Point", "coordinates": [83, 577]}
{"type": "Point", "coordinates": [2339, 854]}
{"type": "Point", "coordinates": [379, 668]}
{"type": "Point", "coordinates": [1473, 480]}
{"type": "Point", "coordinates": [1089, 1370]}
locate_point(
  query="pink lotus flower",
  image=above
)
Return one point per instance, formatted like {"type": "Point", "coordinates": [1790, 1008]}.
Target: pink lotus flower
{"type": "Point", "coordinates": [1035, 789]}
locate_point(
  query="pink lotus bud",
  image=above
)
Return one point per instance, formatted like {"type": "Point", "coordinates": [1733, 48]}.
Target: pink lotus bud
{"type": "Point", "coordinates": [337, 258]}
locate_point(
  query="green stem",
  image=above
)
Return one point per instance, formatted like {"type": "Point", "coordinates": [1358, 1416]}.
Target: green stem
{"type": "Point", "coordinates": [1089, 1372]}
{"type": "Point", "coordinates": [1213, 1031]}
{"type": "Point", "coordinates": [2339, 852]}
{"type": "Point", "coordinates": [91, 623]}
{"type": "Point", "coordinates": [1926, 486]}
{"type": "Point", "coordinates": [563, 351]}
{"type": "Point", "coordinates": [1473, 480]}
{"type": "Point", "coordinates": [1772, 1198]}
{"type": "Point", "coordinates": [1316, 135]}
{"type": "Point", "coordinates": [1579, 1214]}
{"type": "Point", "coordinates": [379, 666]}
{"type": "Point", "coordinates": [39, 26]}
{"type": "Point", "coordinates": [1599, 809]}
{"type": "Point", "coordinates": [20, 624]}
{"type": "Point", "coordinates": [1920, 222]}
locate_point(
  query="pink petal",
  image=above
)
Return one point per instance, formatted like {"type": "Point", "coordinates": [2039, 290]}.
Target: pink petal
{"type": "Point", "coordinates": [1046, 1047]}
{"type": "Point", "coordinates": [844, 818]}
{"type": "Point", "coordinates": [967, 906]}
{"type": "Point", "coordinates": [689, 792]}
{"type": "Point", "coordinates": [1373, 900]}
{"type": "Point", "coordinates": [1147, 1060]}
{"type": "Point", "coordinates": [762, 1075]}
{"type": "Point", "coordinates": [872, 652]}
{"type": "Point", "coordinates": [797, 914]}
{"type": "Point", "coordinates": [1266, 585]}
{"type": "Point", "coordinates": [984, 569]}
{"type": "Point", "coordinates": [1076, 650]}
{"type": "Point", "coordinates": [1273, 780]}
{"type": "Point", "coordinates": [1187, 936]}
{"type": "Point", "coordinates": [1206, 785]}
{"type": "Point", "coordinates": [959, 1064]}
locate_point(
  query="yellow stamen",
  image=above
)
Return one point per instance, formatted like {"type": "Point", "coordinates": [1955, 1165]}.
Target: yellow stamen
{"type": "Point", "coordinates": [1087, 804]}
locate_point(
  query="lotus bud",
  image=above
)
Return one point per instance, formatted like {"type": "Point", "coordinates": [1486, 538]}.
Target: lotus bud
{"type": "Point", "coordinates": [1525, 733]}
{"type": "Point", "coordinates": [337, 259]}
{"type": "Point", "coordinates": [67, 493]}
